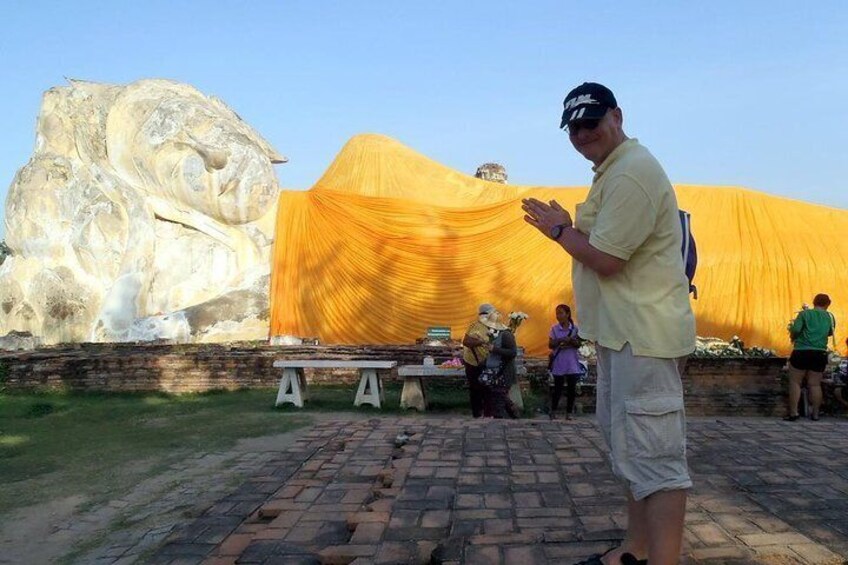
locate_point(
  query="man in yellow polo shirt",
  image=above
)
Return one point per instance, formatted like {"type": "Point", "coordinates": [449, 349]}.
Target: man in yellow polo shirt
{"type": "Point", "coordinates": [632, 300]}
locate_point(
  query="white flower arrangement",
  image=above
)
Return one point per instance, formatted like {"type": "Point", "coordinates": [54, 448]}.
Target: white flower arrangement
{"type": "Point", "coordinates": [710, 347]}
{"type": "Point", "coordinates": [713, 347]}
{"type": "Point", "coordinates": [516, 319]}
{"type": "Point", "coordinates": [586, 351]}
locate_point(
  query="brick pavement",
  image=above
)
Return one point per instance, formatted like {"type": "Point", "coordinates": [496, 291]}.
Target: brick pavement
{"type": "Point", "coordinates": [462, 491]}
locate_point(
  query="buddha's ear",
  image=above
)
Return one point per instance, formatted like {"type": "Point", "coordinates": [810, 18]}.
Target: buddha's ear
{"type": "Point", "coordinates": [213, 159]}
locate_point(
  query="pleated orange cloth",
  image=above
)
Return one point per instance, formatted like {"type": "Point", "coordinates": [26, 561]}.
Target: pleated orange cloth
{"type": "Point", "coordinates": [388, 243]}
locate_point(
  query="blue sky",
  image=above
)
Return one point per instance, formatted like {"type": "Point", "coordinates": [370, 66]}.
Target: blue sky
{"type": "Point", "coordinates": [739, 93]}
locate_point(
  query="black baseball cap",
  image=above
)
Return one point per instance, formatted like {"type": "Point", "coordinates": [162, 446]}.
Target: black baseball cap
{"type": "Point", "coordinates": [589, 101]}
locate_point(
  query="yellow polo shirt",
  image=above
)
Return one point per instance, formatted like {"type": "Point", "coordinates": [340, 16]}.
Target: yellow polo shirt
{"type": "Point", "coordinates": [631, 213]}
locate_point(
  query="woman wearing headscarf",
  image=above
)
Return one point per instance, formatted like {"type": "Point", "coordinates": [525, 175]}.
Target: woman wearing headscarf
{"type": "Point", "coordinates": [499, 374]}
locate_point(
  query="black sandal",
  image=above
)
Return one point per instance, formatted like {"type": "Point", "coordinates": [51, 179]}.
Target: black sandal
{"type": "Point", "coordinates": [626, 559]}
{"type": "Point", "coordinates": [791, 418]}
{"type": "Point", "coordinates": [594, 559]}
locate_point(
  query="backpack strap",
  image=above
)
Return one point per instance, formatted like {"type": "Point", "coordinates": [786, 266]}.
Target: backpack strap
{"type": "Point", "coordinates": [552, 356]}
{"type": "Point", "coordinates": [688, 248]}
{"type": "Point", "coordinates": [832, 329]}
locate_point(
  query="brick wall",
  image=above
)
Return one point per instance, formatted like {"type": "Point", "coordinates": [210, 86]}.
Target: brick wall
{"type": "Point", "coordinates": [735, 387]}
{"type": "Point", "coordinates": [713, 386]}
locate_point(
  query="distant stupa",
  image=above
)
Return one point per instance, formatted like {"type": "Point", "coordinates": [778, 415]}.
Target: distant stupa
{"type": "Point", "coordinates": [492, 172]}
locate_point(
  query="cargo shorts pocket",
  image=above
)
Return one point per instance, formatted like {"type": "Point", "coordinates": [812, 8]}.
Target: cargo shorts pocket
{"type": "Point", "coordinates": [655, 427]}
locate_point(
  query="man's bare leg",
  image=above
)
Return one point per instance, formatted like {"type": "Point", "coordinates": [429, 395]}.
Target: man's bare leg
{"type": "Point", "coordinates": [666, 512]}
{"type": "Point", "coordinates": [636, 540]}
{"type": "Point", "coordinates": [654, 529]}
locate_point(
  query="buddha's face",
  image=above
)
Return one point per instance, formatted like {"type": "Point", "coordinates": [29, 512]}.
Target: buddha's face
{"type": "Point", "coordinates": [179, 145]}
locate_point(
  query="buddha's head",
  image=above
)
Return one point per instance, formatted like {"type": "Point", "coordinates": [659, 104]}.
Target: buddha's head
{"type": "Point", "coordinates": [175, 143]}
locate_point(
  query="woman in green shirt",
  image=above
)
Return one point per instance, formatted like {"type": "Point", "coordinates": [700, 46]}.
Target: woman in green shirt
{"type": "Point", "coordinates": [809, 332]}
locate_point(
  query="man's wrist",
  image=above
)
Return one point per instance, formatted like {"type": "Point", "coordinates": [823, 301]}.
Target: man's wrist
{"type": "Point", "coordinates": [565, 230]}
{"type": "Point", "coordinates": [556, 231]}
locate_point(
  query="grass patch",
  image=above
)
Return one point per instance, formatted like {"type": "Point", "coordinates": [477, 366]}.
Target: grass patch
{"type": "Point", "coordinates": [60, 444]}
{"type": "Point", "coordinates": [99, 445]}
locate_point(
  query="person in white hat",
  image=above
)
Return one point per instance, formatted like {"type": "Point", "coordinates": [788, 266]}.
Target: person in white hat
{"type": "Point", "coordinates": [500, 367]}
{"type": "Point", "coordinates": [475, 349]}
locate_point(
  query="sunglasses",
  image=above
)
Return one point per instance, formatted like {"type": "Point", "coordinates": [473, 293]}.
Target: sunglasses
{"type": "Point", "coordinates": [575, 126]}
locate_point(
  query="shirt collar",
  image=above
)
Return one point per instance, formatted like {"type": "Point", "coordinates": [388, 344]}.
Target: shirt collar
{"type": "Point", "coordinates": [622, 148]}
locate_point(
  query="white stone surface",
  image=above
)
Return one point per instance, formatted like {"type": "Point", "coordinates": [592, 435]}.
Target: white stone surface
{"type": "Point", "coordinates": [334, 364]}
{"type": "Point", "coordinates": [429, 371]}
{"type": "Point", "coordinates": [145, 212]}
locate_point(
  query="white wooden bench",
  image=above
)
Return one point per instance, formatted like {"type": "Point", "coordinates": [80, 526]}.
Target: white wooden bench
{"type": "Point", "coordinates": [414, 394]}
{"type": "Point", "coordinates": [293, 383]}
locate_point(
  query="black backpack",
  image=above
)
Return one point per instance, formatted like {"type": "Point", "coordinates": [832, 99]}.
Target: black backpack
{"type": "Point", "coordinates": [689, 250]}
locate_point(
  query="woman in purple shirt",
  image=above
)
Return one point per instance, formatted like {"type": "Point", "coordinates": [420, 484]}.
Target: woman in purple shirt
{"type": "Point", "coordinates": [565, 365]}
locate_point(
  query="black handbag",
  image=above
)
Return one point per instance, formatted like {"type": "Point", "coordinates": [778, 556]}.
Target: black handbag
{"type": "Point", "coordinates": [493, 377]}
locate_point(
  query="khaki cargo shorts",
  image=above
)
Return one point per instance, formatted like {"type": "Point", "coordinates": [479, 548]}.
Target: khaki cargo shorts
{"type": "Point", "coordinates": [640, 411]}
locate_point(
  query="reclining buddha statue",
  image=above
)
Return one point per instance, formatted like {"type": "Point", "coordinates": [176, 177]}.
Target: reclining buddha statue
{"type": "Point", "coordinates": [145, 212]}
